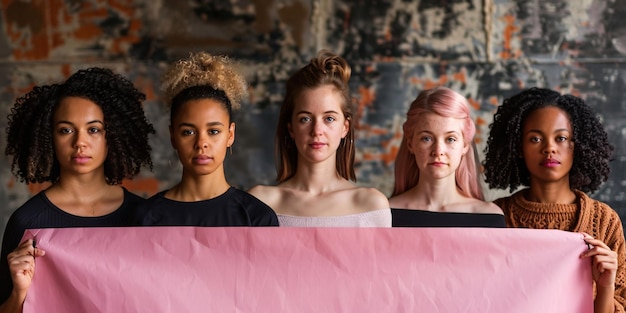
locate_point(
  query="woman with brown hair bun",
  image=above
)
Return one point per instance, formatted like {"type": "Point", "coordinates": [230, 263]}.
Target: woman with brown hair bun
{"type": "Point", "coordinates": [315, 150]}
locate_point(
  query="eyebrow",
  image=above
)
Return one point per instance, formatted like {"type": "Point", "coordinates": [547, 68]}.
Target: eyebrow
{"type": "Point", "coordinates": [447, 133]}
{"type": "Point", "coordinates": [555, 131]}
{"type": "Point", "coordinates": [90, 122]}
{"type": "Point", "coordinates": [207, 124]}
{"type": "Point", "coordinates": [327, 112]}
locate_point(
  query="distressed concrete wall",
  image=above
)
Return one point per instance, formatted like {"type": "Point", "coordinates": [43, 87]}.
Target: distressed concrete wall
{"type": "Point", "coordinates": [485, 49]}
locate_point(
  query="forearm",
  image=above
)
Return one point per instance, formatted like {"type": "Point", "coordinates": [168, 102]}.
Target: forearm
{"type": "Point", "coordinates": [604, 301]}
{"type": "Point", "coordinates": [12, 306]}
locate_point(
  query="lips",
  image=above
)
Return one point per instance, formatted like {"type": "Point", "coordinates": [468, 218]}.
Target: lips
{"type": "Point", "coordinates": [438, 163]}
{"type": "Point", "coordinates": [550, 163]}
{"type": "Point", "coordinates": [317, 145]}
{"type": "Point", "coordinates": [81, 158]}
{"type": "Point", "coordinates": [202, 159]}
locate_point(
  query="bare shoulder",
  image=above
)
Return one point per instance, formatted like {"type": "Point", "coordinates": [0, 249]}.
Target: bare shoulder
{"type": "Point", "coordinates": [369, 199]}
{"type": "Point", "coordinates": [400, 201]}
{"type": "Point", "coordinates": [487, 207]}
{"type": "Point", "coordinates": [270, 195]}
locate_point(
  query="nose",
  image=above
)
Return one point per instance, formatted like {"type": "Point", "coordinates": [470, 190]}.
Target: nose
{"type": "Point", "coordinates": [80, 140]}
{"type": "Point", "coordinates": [201, 142]}
{"type": "Point", "coordinates": [549, 147]}
{"type": "Point", "coordinates": [316, 127]}
{"type": "Point", "coordinates": [437, 149]}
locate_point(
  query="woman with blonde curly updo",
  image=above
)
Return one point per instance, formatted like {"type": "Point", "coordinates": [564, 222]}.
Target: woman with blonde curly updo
{"type": "Point", "coordinates": [315, 149]}
{"type": "Point", "coordinates": [84, 136]}
{"type": "Point", "coordinates": [202, 92]}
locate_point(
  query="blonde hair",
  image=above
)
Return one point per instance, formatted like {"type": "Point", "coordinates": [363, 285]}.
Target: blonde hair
{"type": "Point", "coordinates": [204, 69]}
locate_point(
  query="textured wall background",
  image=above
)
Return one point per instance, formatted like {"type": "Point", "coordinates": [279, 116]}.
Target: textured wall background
{"type": "Point", "coordinates": [485, 49]}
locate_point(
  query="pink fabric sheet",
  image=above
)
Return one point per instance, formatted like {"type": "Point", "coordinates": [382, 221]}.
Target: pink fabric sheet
{"type": "Point", "coordinates": [189, 269]}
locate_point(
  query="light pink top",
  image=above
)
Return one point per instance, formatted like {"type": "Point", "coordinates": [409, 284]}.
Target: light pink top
{"type": "Point", "coordinates": [377, 218]}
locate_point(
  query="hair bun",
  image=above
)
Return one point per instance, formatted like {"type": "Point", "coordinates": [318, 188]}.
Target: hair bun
{"type": "Point", "coordinates": [201, 69]}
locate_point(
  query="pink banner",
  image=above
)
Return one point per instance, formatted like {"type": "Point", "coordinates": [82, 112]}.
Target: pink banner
{"type": "Point", "coordinates": [188, 269]}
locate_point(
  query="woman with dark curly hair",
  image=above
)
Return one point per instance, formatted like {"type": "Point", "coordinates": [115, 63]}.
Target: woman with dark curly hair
{"type": "Point", "coordinates": [84, 136]}
{"type": "Point", "coordinates": [202, 92]}
{"type": "Point", "coordinates": [555, 145]}
{"type": "Point", "coordinates": [315, 149]}
{"type": "Point", "coordinates": [436, 181]}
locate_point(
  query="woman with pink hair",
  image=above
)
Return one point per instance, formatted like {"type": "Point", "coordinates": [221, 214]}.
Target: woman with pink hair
{"type": "Point", "coordinates": [437, 183]}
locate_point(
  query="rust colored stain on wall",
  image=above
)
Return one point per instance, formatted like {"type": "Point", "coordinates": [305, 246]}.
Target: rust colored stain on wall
{"type": "Point", "coordinates": [37, 29]}
{"type": "Point", "coordinates": [509, 31]}
{"type": "Point", "coordinates": [142, 186]}
{"type": "Point", "coordinates": [26, 29]}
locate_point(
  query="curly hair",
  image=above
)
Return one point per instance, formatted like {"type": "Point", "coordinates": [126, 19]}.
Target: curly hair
{"type": "Point", "coordinates": [30, 124]}
{"type": "Point", "coordinates": [326, 68]}
{"type": "Point", "coordinates": [203, 76]}
{"type": "Point", "coordinates": [504, 165]}
{"type": "Point", "coordinates": [447, 103]}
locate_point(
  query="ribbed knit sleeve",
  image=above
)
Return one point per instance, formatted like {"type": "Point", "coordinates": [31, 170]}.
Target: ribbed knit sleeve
{"type": "Point", "coordinates": [611, 233]}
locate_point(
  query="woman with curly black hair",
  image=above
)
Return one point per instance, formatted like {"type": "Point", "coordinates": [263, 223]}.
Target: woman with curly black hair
{"type": "Point", "coordinates": [84, 136]}
{"type": "Point", "coordinates": [202, 92]}
{"type": "Point", "coordinates": [555, 145]}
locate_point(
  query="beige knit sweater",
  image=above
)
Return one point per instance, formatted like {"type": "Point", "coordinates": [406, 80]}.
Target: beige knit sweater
{"type": "Point", "coordinates": [586, 215]}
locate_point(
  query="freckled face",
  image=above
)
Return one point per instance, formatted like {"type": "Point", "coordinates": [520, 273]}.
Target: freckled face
{"type": "Point", "coordinates": [318, 124]}
{"type": "Point", "coordinates": [201, 133]}
{"type": "Point", "coordinates": [78, 136]}
{"type": "Point", "coordinates": [547, 145]}
{"type": "Point", "coordinates": [438, 145]}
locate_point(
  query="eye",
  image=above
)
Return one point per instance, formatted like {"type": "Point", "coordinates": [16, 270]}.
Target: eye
{"type": "Point", "coordinates": [451, 139]}
{"type": "Point", "coordinates": [561, 139]}
{"type": "Point", "coordinates": [214, 132]}
{"type": "Point", "coordinates": [535, 139]}
{"type": "Point", "coordinates": [188, 132]}
{"type": "Point", "coordinates": [94, 130]}
{"type": "Point", "coordinates": [330, 119]}
{"type": "Point", "coordinates": [426, 139]}
{"type": "Point", "coordinates": [65, 130]}
{"type": "Point", "coordinates": [304, 119]}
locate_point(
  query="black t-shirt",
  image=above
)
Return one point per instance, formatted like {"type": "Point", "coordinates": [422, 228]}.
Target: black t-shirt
{"type": "Point", "coordinates": [422, 218]}
{"type": "Point", "coordinates": [232, 208]}
{"type": "Point", "coordinates": [39, 212]}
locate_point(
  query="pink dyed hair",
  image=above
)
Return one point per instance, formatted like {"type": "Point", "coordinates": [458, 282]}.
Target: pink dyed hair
{"type": "Point", "coordinates": [447, 103]}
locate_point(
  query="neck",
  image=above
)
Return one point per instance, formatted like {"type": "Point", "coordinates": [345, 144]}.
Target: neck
{"type": "Point", "coordinates": [85, 197]}
{"type": "Point", "coordinates": [434, 194]}
{"type": "Point", "coordinates": [81, 185]}
{"type": "Point", "coordinates": [199, 187]}
{"type": "Point", "coordinates": [558, 192]}
{"type": "Point", "coordinates": [316, 177]}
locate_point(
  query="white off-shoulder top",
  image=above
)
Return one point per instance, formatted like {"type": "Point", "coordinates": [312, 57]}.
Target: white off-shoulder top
{"type": "Point", "coordinates": [376, 218]}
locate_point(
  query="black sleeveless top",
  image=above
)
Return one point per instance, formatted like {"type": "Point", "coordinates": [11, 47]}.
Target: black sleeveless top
{"type": "Point", "coordinates": [421, 218]}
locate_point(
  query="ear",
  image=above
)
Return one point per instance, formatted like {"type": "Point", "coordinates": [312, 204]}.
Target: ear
{"type": "Point", "coordinates": [466, 147]}
{"type": "Point", "coordinates": [346, 127]}
{"type": "Point", "coordinates": [231, 134]}
{"type": "Point", "coordinates": [409, 145]}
